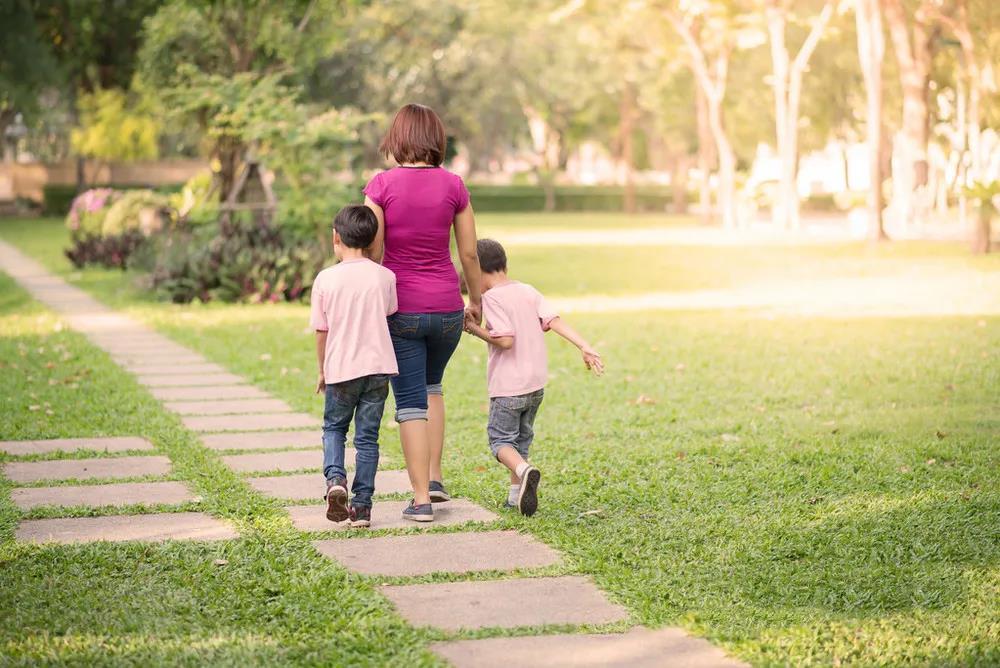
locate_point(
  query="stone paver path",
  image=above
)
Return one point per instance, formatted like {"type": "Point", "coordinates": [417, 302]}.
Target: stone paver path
{"type": "Point", "coordinates": [116, 494]}
{"type": "Point", "coordinates": [386, 515]}
{"type": "Point", "coordinates": [307, 486]}
{"type": "Point", "coordinates": [453, 606]}
{"type": "Point", "coordinates": [228, 406]}
{"type": "Point", "coordinates": [295, 460]}
{"type": "Point", "coordinates": [465, 552]}
{"type": "Point", "coordinates": [87, 469]}
{"type": "Point", "coordinates": [638, 648]}
{"type": "Point", "coordinates": [152, 528]}
{"type": "Point", "coordinates": [209, 399]}
{"type": "Point", "coordinates": [262, 440]}
{"type": "Point", "coordinates": [109, 444]}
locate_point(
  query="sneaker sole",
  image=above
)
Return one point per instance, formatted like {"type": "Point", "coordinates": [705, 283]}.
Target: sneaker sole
{"type": "Point", "coordinates": [336, 505]}
{"type": "Point", "coordinates": [418, 518]}
{"type": "Point", "coordinates": [527, 500]}
{"type": "Point", "coordinates": [360, 524]}
{"type": "Point", "coordinates": [440, 497]}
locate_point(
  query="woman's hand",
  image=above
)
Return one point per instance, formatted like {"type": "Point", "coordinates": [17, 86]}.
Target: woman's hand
{"type": "Point", "coordinates": [474, 313]}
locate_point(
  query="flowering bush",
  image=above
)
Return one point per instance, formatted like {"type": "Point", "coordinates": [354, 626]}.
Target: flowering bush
{"type": "Point", "coordinates": [141, 210]}
{"type": "Point", "coordinates": [86, 214]}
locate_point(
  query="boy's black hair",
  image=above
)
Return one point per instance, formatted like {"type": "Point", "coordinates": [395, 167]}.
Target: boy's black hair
{"type": "Point", "coordinates": [357, 226]}
{"type": "Point", "coordinates": [492, 257]}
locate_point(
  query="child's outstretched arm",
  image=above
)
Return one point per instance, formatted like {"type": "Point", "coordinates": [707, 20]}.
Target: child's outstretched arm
{"type": "Point", "coordinates": [505, 342]}
{"type": "Point", "coordinates": [591, 357]}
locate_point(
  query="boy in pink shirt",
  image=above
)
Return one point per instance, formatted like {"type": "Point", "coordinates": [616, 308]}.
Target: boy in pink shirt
{"type": "Point", "coordinates": [517, 317]}
{"type": "Point", "coordinates": [350, 303]}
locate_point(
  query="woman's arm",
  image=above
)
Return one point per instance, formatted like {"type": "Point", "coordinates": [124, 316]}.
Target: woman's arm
{"type": "Point", "coordinates": [377, 249]}
{"type": "Point", "coordinates": [465, 239]}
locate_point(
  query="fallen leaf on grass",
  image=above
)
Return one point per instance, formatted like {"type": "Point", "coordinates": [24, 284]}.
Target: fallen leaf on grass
{"type": "Point", "coordinates": [34, 407]}
{"type": "Point", "coordinates": [480, 469]}
{"type": "Point", "coordinates": [221, 562]}
{"type": "Point", "coordinates": [931, 462]}
{"type": "Point", "coordinates": [680, 366]}
{"type": "Point", "coordinates": [49, 411]}
{"type": "Point", "coordinates": [904, 469]}
{"type": "Point", "coordinates": [589, 513]}
{"type": "Point", "coordinates": [730, 438]}
{"type": "Point", "coordinates": [940, 434]}
{"type": "Point", "coordinates": [264, 357]}
{"type": "Point", "coordinates": [681, 454]}
{"type": "Point", "coordinates": [643, 400]}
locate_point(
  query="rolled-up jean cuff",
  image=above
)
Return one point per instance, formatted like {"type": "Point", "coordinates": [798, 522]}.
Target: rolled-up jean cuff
{"type": "Point", "coordinates": [436, 388]}
{"type": "Point", "coordinates": [407, 414]}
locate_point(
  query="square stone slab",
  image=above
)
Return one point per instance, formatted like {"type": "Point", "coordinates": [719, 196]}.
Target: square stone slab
{"type": "Point", "coordinates": [191, 380]}
{"type": "Point", "coordinates": [313, 485]}
{"type": "Point", "coordinates": [639, 648]}
{"type": "Point", "coordinates": [208, 392]}
{"type": "Point", "coordinates": [264, 440]}
{"type": "Point", "coordinates": [295, 460]}
{"type": "Point", "coordinates": [423, 554]}
{"type": "Point", "coordinates": [117, 494]}
{"type": "Point", "coordinates": [452, 606]}
{"type": "Point", "coordinates": [116, 528]}
{"type": "Point", "coordinates": [386, 515]}
{"type": "Point", "coordinates": [173, 369]}
{"type": "Point", "coordinates": [251, 422]}
{"type": "Point", "coordinates": [228, 406]}
{"type": "Point", "coordinates": [86, 469]}
{"type": "Point", "coordinates": [136, 359]}
{"type": "Point", "coordinates": [102, 444]}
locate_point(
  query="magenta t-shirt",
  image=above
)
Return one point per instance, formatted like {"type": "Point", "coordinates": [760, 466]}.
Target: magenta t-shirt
{"type": "Point", "coordinates": [420, 204]}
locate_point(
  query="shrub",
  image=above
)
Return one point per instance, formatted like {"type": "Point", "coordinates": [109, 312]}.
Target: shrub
{"type": "Point", "coordinates": [231, 262]}
{"type": "Point", "coordinates": [136, 210]}
{"type": "Point", "coordinates": [568, 198]}
{"type": "Point", "coordinates": [57, 199]}
{"type": "Point", "coordinates": [88, 210]}
{"type": "Point", "coordinates": [196, 202]}
{"type": "Point", "coordinates": [113, 252]}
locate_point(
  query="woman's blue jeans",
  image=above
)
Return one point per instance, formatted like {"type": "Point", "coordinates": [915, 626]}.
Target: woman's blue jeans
{"type": "Point", "coordinates": [424, 342]}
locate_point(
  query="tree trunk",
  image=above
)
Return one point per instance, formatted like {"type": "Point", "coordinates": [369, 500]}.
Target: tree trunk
{"type": "Point", "coordinates": [981, 241]}
{"type": "Point", "coordinates": [727, 165]}
{"type": "Point", "coordinates": [229, 152]}
{"type": "Point", "coordinates": [627, 116]}
{"type": "Point", "coordinates": [678, 184]}
{"type": "Point", "coordinates": [706, 157]}
{"type": "Point", "coordinates": [871, 49]}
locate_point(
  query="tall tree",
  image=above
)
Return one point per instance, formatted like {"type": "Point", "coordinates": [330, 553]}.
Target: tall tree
{"type": "Point", "coordinates": [871, 50]}
{"type": "Point", "coordinates": [787, 73]}
{"type": "Point", "coordinates": [912, 41]}
{"type": "Point", "coordinates": [26, 64]}
{"type": "Point", "coordinates": [709, 49]}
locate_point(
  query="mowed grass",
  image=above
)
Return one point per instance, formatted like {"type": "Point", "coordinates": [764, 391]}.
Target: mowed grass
{"type": "Point", "coordinates": [800, 491]}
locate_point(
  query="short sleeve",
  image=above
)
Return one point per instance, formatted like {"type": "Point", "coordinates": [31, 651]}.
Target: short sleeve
{"type": "Point", "coordinates": [317, 315]}
{"type": "Point", "coordinates": [391, 303]}
{"type": "Point", "coordinates": [375, 190]}
{"type": "Point", "coordinates": [497, 320]}
{"type": "Point", "coordinates": [545, 311]}
{"type": "Point", "coordinates": [461, 195]}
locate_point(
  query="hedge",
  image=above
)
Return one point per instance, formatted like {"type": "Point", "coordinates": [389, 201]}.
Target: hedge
{"type": "Point", "coordinates": [568, 198]}
{"type": "Point", "coordinates": [57, 197]}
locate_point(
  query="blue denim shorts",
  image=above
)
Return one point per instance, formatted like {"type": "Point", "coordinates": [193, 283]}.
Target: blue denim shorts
{"type": "Point", "coordinates": [424, 342]}
{"type": "Point", "coordinates": [512, 421]}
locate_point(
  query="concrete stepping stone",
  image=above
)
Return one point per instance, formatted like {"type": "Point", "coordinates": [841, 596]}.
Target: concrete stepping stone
{"type": "Point", "coordinates": [116, 528]}
{"type": "Point", "coordinates": [638, 648]}
{"type": "Point", "coordinates": [191, 380]}
{"type": "Point", "coordinates": [208, 392]}
{"type": "Point", "coordinates": [263, 440]}
{"type": "Point", "coordinates": [295, 460]}
{"type": "Point", "coordinates": [250, 422]}
{"type": "Point", "coordinates": [386, 515]}
{"type": "Point", "coordinates": [423, 554]}
{"type": "Point", "coordinates": [117, 494]}
{"type": "Point", "coordinates": [86, 469]}
{"type": "Point", "coordinates": [452, 606]}
{"type": "Point", "coordinates": [228, 406]}
{"type": "Point", "coordinates": [313, 485]}
{"type": "Point", "coordinates": [133, 359]}
{"type": "Point", "coordinates": [173, 369]}
{"type": "Point", "coordinates": [101, 444]}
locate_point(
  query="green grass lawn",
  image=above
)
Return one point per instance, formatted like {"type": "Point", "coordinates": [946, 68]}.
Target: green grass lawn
{"type": "Point", "coordinates": [799, 491]}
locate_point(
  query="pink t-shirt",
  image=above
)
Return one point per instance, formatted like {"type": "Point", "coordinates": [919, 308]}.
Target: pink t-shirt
{"type": "Point", "coordinates": [518, 310]}
{"type": "Point", "coordinates": [351, 300]}
{"type": "Point", "coordinates": [420, 204]}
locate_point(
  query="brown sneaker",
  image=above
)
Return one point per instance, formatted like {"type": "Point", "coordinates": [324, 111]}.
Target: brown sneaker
{"type": "Point", "coordinates": [361, 517]}
{"type": "Point", "coordinates": [336, 499]}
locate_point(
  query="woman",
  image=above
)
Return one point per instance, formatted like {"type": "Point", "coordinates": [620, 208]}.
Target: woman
{"type": "Point", "coordinates": [418, 204]}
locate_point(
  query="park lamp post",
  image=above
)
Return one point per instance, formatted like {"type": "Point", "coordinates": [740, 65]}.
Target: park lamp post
{"type": "Point", "coordinates": [13, 134]}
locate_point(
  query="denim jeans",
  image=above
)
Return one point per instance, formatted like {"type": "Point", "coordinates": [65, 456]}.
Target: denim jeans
{"type": "Point", "coordinates": [512, 422]}
{"type": "Point", "coordinates": [362, 399]}
{"type": "Point", "coordinates": [424, 342]}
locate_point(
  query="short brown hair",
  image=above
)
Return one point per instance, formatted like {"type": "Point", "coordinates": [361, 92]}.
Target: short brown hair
{"type": "Point", "coordinates": [416, 135]}
{"type": "Point", "coordinates": [492, 257]}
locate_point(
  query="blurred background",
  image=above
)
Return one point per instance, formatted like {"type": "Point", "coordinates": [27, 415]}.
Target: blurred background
{"type": "Point", "coordinates": [844, 119]}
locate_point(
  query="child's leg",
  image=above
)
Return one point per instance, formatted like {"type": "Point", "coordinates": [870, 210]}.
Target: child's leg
{"type": "Point", "coordinates": [341, 398]}
{"type": "Point", "coordinates": [528, 476]}
{"type": "Point", "coordinates": [367, 422]}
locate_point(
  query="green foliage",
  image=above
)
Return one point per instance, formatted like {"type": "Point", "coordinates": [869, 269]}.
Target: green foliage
{"type": "Point", "coordinates": [111, 129]}
{"type": "Point", "coordinates": [137, 210]}
{"type": "Point", "coordinates": [194, 202]}
{"type": "Point", "coordinates": [568, 198]}
{"type": "Point", "coordinates": [232, 262]}
{"type": "Point", "coordinates": [57, 198]}
{"type": "Point", "coordinates": [985, 193]}
{"type": "Point", "coordinates": [26, 65]}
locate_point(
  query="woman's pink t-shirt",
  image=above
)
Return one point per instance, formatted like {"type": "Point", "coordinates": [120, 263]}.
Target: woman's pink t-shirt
{"type": "Point", "coordinates": [420, 204]}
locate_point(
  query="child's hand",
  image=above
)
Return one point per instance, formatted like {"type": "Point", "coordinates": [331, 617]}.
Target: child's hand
{"type": "Point", "coordinates": [592, 359]}
{"type": "Point", "coordinates": [321, 385]}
